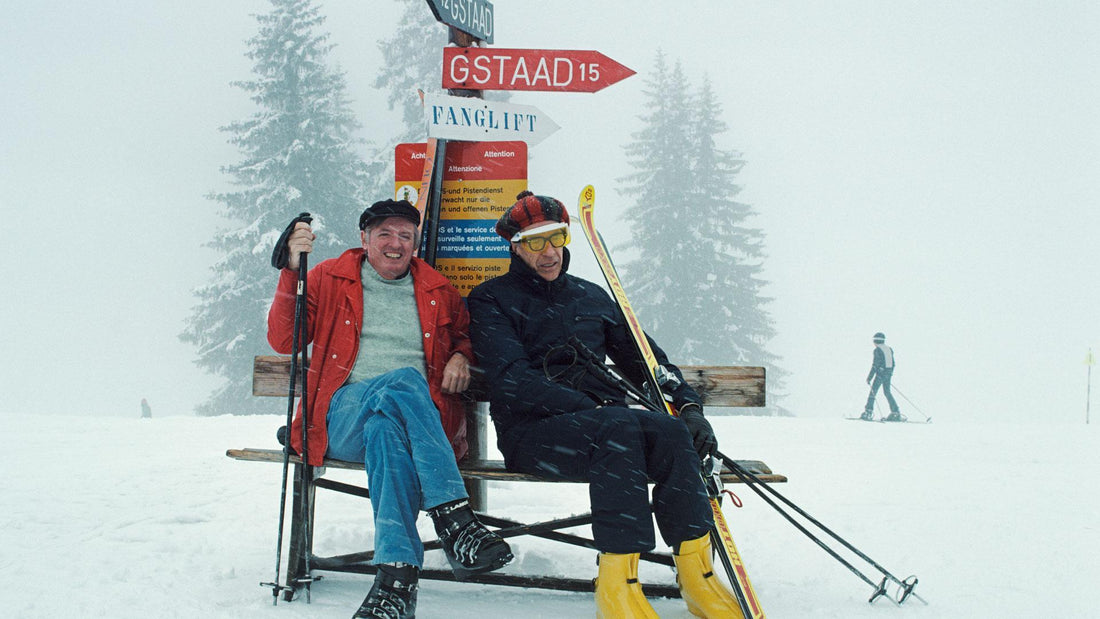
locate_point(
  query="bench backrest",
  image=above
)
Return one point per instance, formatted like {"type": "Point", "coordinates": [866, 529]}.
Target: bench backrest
{"type": "Point", "coordinates": [718, 385]}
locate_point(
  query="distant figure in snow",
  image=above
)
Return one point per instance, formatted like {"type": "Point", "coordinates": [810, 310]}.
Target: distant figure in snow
{"type": "Point", "coordinates": [559, 422]}
{"type": "Point", "coordinates": [882, 370]}
{"type": "Point", "coordinates": [391, 355]}
{"type": "Point", "coordinates": [146, 412]}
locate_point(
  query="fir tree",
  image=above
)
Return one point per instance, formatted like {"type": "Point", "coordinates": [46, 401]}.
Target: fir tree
{"type": "Point", "coordinates": [297, 154]}
{"type": "Point", "coordinates": [696, 283]}
{"type": "Point", "coordinates": [661, 184]}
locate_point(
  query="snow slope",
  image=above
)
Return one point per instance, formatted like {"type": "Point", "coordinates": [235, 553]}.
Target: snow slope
{"type": "Point", "coordinates": [111, 517]}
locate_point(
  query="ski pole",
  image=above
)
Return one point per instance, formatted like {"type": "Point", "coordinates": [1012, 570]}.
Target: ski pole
{"type": "Point", "coordinates": [926, 417]}
{"type": "Point", "coordinates": [598, 369]}
{"type": "Point", "coordinates": [604, 373]}
{"type": "Point", "coordinates": [755, 484]}
{"type": "Point", "coordinates": [301, 316]}
{"type": "Point", "coordinates": [280, 260]}
{"type": "Point", "coordinates": [879, 587]}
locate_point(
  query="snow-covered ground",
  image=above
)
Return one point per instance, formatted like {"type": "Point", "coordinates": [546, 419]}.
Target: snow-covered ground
{"type": "Point", "coordinates": [111, 517]}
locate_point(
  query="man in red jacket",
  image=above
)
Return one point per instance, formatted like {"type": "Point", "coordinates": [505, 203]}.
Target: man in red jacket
{"type": "Point", "coordinates": [391, 352]}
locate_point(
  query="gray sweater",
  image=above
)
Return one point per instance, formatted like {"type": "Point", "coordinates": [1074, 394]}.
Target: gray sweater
{"type": "Point", "coordinates": [390, 338]}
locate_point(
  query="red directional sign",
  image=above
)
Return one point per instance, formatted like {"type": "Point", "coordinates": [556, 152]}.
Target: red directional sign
{"type": "Point", "coordinates": [481, 68]}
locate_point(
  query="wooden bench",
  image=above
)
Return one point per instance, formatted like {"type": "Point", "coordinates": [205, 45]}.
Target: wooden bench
{"type": "Point", "coordinates": [720, 386]}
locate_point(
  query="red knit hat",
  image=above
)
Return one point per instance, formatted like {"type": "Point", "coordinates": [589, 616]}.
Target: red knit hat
{"type": "Point", "coordinates": [530, 209]}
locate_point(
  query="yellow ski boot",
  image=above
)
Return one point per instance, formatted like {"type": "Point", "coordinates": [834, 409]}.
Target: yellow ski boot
{"type": "Point", "coordinates": [705, 595]}
{"type": "Point", "coordinates": [618, 592]}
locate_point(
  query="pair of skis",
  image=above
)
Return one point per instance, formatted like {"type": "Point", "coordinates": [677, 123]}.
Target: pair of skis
{"type": "Point", "coordinates": [720, 534]}
{"type": "Point", "coordinates": [885, 420]}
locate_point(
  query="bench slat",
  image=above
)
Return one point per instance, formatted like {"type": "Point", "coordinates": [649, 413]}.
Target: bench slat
{"type": "Point", "coordinates": [490, 470]}
{"type": "Point", "coordinates": [718, 385]}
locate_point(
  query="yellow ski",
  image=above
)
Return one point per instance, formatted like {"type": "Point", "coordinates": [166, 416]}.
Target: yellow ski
{"type": "Point", "coordinates": [720, 535]}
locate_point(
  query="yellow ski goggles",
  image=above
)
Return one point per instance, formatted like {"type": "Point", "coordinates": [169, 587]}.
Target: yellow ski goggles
{"type": "Point", "coordinates": [557, 234]}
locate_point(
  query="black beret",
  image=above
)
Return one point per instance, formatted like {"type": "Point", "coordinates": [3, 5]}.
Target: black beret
{"type": "Point", "coordinates": [389, 208]}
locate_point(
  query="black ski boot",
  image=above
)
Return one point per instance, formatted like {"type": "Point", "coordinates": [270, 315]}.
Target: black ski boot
{"type": "Point", "coordinates": [867, 416]}
{"type": "Point", "coordinates": [393, 595]}
{"type": "Point", "coordinates": [895, 416]}
{"type": "Point", "coordinates": [471, 548]}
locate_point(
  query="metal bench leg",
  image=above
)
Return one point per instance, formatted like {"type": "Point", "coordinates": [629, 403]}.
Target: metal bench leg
{"type": "Point", "coordinates": [301, 533]}
{"type": "Point", "coordinates": [477, 437]}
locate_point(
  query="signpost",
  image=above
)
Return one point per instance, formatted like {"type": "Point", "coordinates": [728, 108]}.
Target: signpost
{"type": "Point", "coordinates": [463, 187]}
{"type": "Point", "coordinates": [474, 17]}
{"type": "Point", "coordinates": [478, 68]}
{"type": "Point", "coordinates": [466, 118]}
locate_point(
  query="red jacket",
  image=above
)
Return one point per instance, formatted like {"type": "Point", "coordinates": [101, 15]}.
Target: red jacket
{"type": "Point", "coordinates": [335, 318]}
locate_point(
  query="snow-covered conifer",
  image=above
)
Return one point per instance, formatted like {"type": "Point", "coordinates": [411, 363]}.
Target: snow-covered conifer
{"type": "Point", "coordinates": [694, 276]}
{"type": "Point", "coordinates": [298, 154]}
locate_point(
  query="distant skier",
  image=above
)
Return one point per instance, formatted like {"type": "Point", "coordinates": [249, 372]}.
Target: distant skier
{"type": "Point", "coordinates": [146, 412]}
{"type": "Point", "coordinates": [882, 370]}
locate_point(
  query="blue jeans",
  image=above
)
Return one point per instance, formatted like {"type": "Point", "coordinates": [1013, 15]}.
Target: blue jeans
{"type": "Point", "coordinates": [390, 424]}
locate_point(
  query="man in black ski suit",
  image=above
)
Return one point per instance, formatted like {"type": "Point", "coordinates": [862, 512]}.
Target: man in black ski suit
{"type": "Point", "coordinates": [882, 370]}
{"type": "Point", "coordinates": [556, 421]}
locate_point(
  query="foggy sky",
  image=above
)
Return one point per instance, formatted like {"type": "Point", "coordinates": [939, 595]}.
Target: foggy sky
{"type": "Point", "coordinates": [926, 169]}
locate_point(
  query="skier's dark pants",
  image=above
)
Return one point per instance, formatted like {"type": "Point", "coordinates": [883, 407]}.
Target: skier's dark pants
{"type": "Point", "coordinates": [615, 450]}
{"type": "Point", "coordinates": [882, 377]}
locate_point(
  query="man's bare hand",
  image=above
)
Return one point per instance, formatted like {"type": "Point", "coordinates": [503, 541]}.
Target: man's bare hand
{"type": "Point", "coordinates": [456, 375]}
{"type": "Point", "coordinates": [300, 241]}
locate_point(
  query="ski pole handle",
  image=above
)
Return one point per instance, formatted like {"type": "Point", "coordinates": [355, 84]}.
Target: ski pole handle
{"type": "Point", "coordinates": [280, 256]}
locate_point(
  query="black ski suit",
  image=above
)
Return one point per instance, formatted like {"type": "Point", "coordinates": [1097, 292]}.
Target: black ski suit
{"type": "Point", "coordinates": [555, 421]}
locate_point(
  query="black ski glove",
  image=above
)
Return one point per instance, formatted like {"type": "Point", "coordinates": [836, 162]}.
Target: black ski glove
{"type": "Point", "coordinates": [280, 256]}
{"type": "Point", "coordinates": [702, 435]}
